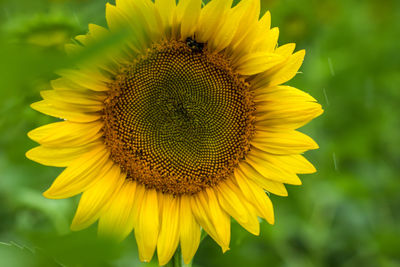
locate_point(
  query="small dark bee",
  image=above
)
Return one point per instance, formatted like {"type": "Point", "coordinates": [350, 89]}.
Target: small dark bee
{"type": "Point", "coordinates": [195, 46]}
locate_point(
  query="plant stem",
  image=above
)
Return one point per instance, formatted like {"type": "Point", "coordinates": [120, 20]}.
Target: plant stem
{"type": "Point", "coordinates": [177, 260]}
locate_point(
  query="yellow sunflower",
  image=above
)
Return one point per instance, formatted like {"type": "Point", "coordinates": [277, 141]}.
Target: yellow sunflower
{"type": "Point", "coordinates": [184, 126]}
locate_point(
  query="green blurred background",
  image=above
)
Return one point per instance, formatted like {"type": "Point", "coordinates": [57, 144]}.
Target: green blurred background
{"type": "Point", "coordinates": [347, 214]}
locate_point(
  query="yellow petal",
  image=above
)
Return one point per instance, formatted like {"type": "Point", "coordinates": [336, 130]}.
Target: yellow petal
{"type": "Point", "coordinates": [286, 115]}
{"type": "Point", "coordinates": [137, 204]}
{"type": "Point", "coordinates": [189, 230]}
{"type": "Point", "coordinates": [257, 62]}
{"type": "Point", "coordinates": [166, 8]}
{"type": "Point", "coordinates": [285, 142]}
{"type": "Point", "coordinates": [191, 13]}
{"type": "Point", "coordinates": [97, 32]}
{"type": "Point", "coordinates": [72, 49]}
{"type": "Point", "coordinates": [57, 157]}
{"type": "Point", "coordinates": [246, 171]}
{"type": "Point", "coordinates": [169, 233]}
{"type": "Point", "coordinates": [256, 195]}
{"type": "Point", "coordinates": [234, 203]}
{"type": "Point", "coordinates": [148, 224]}
{"type": "Point", "coordinates": [111, 58]}
{"type": "Point", "coordinates": [281, 94]}
{"type": "Point", "coordinates": [66, 84]}
{"type": "Point", "coordinates": [83, 39]}
{"type": "Point", "coordinates": [202, 218]}
{"type": "Point", "coordinates": [225, 33]}
{"type": "Point", "coordinates": [118, 20]}
{"type": "Point", "coordinates": [286, 49]}
{"type": "Point", "coordinates": [80, 174]}
{"type": "Point", "coordinates": [115, 18]}
{"type": "Point", "coordinates": [267, 41]}
{"type": "Point", "coordinates": [175, 26]}
{"type": "Point", "coordinates": [211, 18]}
{"type": "Point", "coordinates": [288, 71]}
{"type": "Point", "coordinates": [221, 220]}
{"type": "Point", "coordinates": [67, 134]}
{"type": "Point", "coordinates": [283, 106]}
{"type": "Point", "coordinates": [296, 163]}
{"type": "Point", "coordinates": [88, 98]}
{"type": "Point", "coordinates": [82, 108]}
{"type": "Point", "coordinates": [263, 164]}
{"type": "Point", "coordinates": [96, 197]}
{"type": "Point", "coordinates": [281, 73]}
{"type": "Point", "coordinates": [263, 204]}
{"type": "Point", "coordinates": [265, 21]}
{"type": "Point", "coordinates": [116, 220]}
{"type": "Point", "coordinates": [201, 212]}
{"type": "Point", "coordinates": [145, 14]}
{"type": "Point", "coordinates": [287, 163]}
{"type": "Point", "coordinates": [235, 25]}
{"type": "Point", "coordinates": [249, 17]}
{"type": "Point", "coordinates": [212, 218]}
{"type": "Point", "coordinates": [65, 112]}
{"type": "Point", "coordinates": [245, 44]}
{"type": "Point", "coordinates": [90, 79]}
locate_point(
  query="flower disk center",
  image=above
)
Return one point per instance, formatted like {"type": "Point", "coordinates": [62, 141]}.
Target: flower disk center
{"type": "Point", "coordinates": [178, 119]}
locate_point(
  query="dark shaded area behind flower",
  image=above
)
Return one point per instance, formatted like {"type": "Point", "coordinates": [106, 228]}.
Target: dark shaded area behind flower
{"type": "Point", "coordinates": [344, 215]}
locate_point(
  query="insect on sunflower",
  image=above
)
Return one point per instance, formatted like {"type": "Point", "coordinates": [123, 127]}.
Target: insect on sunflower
{"type": "Point", "coordinates": [184, 127]}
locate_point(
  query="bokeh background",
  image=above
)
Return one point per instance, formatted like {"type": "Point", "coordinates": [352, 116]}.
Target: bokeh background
{"type": "Point", "coordinates": [347, 214]}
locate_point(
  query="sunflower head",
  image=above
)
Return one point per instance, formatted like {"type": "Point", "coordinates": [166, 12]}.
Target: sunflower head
{"type": "Point", "coordinates": [184, 126]}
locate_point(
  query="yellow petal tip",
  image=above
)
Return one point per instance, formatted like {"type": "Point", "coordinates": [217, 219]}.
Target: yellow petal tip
{"type": "Point", "coordinates": [284, 194]}
{"type": "Point", "coordinates": [33, 155]}
{"type": "Point", "coordinates": [257, 232]}
{"type": "Point", "coordinates": [36, 106]}
{"type": "Point", "coordinates": [162, 262]}
{"type": "Point", "coordinates": [49, 193]}
{"type": "Point", "coordinates": [108, 5]}
{"type": "Point", "coordinates": [31, 135]}
{"type": "Point", "coordinates": [78, 224]}
{"type": "Point", "coordinates": [75, 227]}
{"type": "Point", "coordinates": [28, 153]}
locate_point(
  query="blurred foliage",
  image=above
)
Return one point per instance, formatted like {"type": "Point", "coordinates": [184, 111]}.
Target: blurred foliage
{"type": "Point", "coordinates": [347, 214]}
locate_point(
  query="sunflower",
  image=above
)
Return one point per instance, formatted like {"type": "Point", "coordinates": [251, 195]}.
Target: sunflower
{"type": "Point", "coordinates": [182, 127]}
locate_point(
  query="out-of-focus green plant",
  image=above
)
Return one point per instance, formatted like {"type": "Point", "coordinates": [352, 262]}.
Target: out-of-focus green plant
{"type": "Point", "coordinates": [42, 30]}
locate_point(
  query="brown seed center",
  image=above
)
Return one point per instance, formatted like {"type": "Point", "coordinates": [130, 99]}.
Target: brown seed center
{"type": "Point", "coordinates": [178, 119]}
